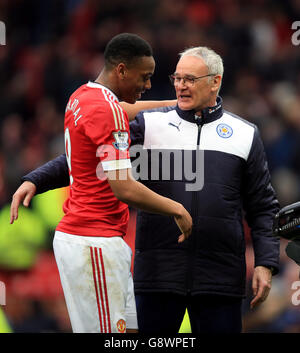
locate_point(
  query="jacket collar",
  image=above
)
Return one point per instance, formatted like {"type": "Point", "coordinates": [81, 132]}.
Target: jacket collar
{"type": "Point", "coordinates": [208, 115]}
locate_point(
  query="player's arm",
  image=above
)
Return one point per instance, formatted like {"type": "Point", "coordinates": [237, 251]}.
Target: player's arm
{"type": "Point", "coordinates": [135, 194]}
{"type": "Point", "coordinates": [51, 175]}
{"type": "Point", "coordinates": [54, 174]}
{"type": "Point", "coordinates": [133, 109]}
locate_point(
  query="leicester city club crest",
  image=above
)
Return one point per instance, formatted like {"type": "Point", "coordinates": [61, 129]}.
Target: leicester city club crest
{"type": "Point", "coordinates": [224, 131]}
{"type": "Point", "coordinates": [121, 140]}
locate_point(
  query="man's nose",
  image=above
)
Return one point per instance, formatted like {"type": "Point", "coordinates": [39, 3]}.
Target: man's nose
{"type": "Point", "coordinates": [148, 84]}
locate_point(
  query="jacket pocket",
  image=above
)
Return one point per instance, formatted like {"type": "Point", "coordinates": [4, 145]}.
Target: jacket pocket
{"type": "Point", "coordinates": [220, 235]}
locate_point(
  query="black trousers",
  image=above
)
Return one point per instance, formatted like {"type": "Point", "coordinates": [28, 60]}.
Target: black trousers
{"type": "Point", "coordinates": [162, 313]}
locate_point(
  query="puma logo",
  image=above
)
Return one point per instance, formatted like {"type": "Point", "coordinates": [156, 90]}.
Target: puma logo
{"type": "Point", "coordinates": [177, 126]}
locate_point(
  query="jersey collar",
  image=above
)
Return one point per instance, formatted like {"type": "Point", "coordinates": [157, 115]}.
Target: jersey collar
{"type": "Point", "coordinates": [208, 115]}
{"type": "Point", "coordinates": [92, 84]}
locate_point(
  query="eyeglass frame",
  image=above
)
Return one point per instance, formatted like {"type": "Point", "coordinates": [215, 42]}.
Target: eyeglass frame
{"type": "Point", "coordinates": [172, 79]}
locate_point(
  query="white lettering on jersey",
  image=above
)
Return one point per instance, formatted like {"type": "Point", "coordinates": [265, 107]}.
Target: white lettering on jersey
{"type": "Point", "coordinates": [68, 152]}
{"type": "Point", "coordinates": [72, 106]}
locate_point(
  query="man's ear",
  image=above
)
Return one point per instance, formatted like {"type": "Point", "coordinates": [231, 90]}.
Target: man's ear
{"type": "Point", "coordinates": [216, 82]}
{"type": "Point", "coordinates": [121, 71]}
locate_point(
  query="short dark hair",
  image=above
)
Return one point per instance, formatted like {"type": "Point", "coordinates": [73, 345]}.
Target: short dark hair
{"type": "Point", "coordinates": [126, 47]}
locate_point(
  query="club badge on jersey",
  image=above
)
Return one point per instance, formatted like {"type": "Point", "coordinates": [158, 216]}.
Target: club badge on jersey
{"type": "Point", "coordinates": [121, 326]}
{"type": "Point", "coordinates": [224, 131]}
{"type": "Point", "coordinates": [121, 140]}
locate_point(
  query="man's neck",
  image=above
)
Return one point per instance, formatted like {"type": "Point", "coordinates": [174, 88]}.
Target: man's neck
{"type": "Point", "coordinates": [199, 111]}
{"type": "Point", "coordinates": [105, 79]}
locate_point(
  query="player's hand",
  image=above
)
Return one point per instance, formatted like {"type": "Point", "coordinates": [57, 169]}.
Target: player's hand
{"type": "Point", "coordinates": [261, 285]}
{"type": "Point", "coordinates": [24, 194]}
{"type": "Point", "coordinates": [185, 224]}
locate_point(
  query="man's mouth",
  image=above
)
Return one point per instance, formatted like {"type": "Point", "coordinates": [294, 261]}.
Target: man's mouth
{"type": "Point", "coordinates": [184, 96]}
{"type": "Point", "coordinates": [139, 93]}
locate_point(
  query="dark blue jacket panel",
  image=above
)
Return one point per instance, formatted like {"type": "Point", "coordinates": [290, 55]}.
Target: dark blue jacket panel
{"type": "Point", "coordinates": [236, 182]}
{"type": "Point", "coordinates": [51, 175]}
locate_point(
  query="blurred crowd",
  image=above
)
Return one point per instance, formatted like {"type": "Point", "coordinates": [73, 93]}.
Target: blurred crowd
{"type": "Point", "coordinates": [54, 46]}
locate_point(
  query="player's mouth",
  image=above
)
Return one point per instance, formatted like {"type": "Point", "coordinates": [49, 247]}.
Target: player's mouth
{"type": "Point", "coordinates": [139, 94]}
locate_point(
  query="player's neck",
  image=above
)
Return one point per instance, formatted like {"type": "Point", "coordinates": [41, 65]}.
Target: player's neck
{"type": "Point", "coordinates": [105, 80]}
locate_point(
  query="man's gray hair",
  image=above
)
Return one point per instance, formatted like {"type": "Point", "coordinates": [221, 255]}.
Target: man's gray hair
{"type": "Point", "coordinates": [212, 60]}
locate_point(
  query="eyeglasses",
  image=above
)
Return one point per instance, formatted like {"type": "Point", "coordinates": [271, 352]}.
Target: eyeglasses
{"type": "Point", "coordinates": [186, 80]}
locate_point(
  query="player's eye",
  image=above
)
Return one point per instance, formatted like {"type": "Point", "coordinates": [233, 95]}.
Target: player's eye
{"type": "Point", "coordinates": [146, 78]}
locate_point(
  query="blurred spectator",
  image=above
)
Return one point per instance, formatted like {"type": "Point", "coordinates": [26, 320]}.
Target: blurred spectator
{"type": "Point", "coordinates": [278, 314]}
{"type": "Point", "coordinates": [35, 301]}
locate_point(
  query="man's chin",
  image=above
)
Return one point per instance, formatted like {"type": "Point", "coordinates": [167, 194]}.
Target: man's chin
{"type": "Point", "coordinates": [134, 98]}
{"type": "Point", "coordinates": [130, 100]}
{"type": "Point", "coordinates": [185, 106]}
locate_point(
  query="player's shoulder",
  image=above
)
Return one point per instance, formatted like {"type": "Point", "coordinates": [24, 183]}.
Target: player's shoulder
{"type": "Point", "coordinates": [98, 98]}
{"type": "Point", "coordinates": [106, 105]}
{"type": "Point", "coordinates": [95, 92]}
{"type": "Point", "coordinates": [101, 105]}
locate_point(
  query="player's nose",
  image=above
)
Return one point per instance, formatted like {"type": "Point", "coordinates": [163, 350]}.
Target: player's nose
{"type": "Point", "coordinates": [148, 84]}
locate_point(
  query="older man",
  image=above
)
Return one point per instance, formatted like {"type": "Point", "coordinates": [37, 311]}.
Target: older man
{"type": "Point", "coordinates": [224, 176]}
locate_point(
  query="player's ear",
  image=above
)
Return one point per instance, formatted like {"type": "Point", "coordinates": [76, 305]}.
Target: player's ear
{"type": "Point", "coordinates": [121, 71]}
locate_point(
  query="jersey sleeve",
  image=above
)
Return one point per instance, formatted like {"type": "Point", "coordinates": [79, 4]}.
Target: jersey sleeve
{"type": "Point", "coordinates": [108, 129]}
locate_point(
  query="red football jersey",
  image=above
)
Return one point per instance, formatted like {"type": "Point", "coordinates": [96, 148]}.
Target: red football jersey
{"type": "Point", "coordinates": [96, 140]}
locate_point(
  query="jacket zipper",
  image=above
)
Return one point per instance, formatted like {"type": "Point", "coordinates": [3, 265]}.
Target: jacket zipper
{"type": "Point", "coordinates": [192, 244]}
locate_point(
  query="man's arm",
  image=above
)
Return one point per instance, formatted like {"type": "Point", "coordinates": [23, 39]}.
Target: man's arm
{"type": "Point", "coordinates": [135, 194]}
{"type": "Point", "coordinates": [51, 175]}
{"type": "Point", "coordinates": [133, 109]}
{"type": "Point", "coordinates": [54, 174]}
{"type": "Point", "coordinates": [261, 205]}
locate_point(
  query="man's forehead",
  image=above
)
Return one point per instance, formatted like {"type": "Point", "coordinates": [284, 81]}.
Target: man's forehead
{"type": "Point", "coordinates": [145, 63]}
{"type": "Point", "coordinates": [191, 65]}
